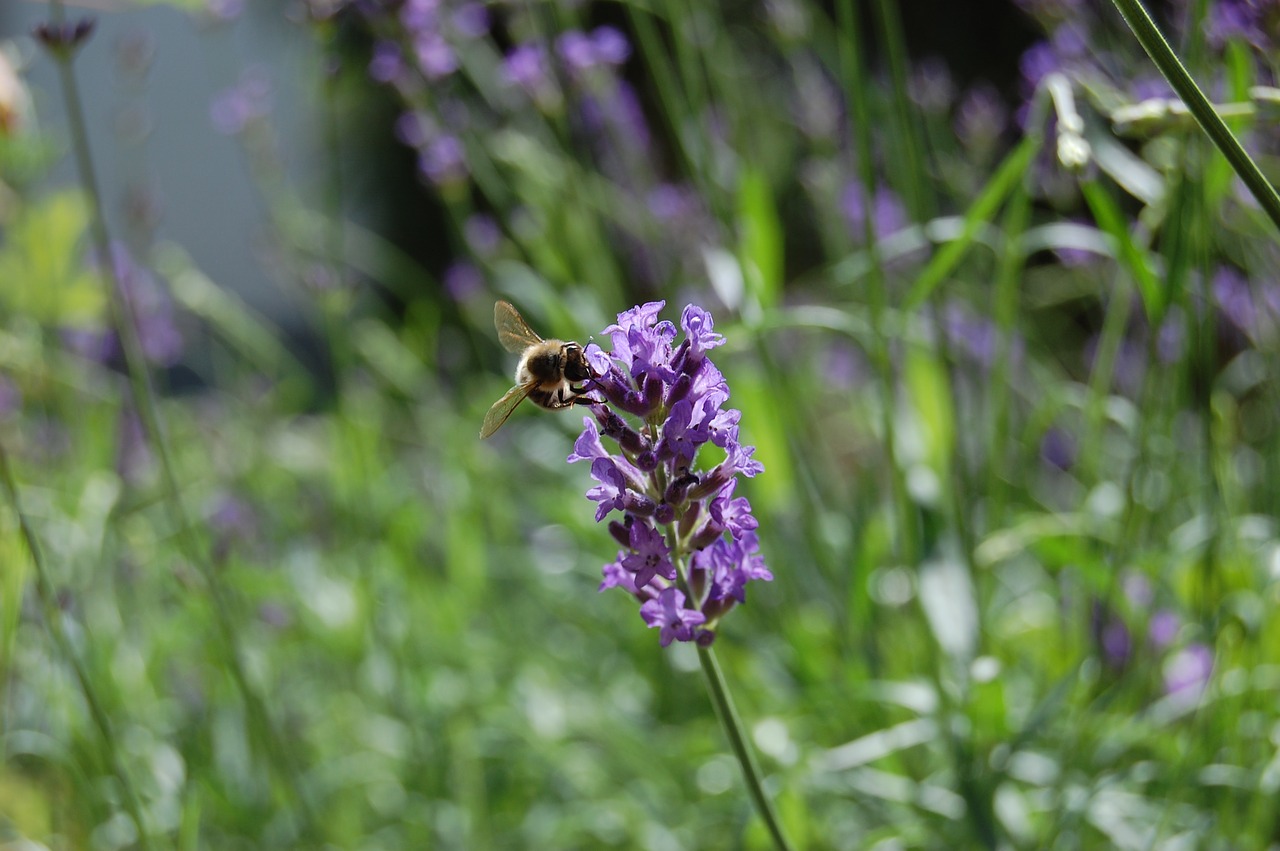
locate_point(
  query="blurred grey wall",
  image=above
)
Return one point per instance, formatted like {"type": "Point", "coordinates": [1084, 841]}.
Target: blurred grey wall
{"type": "Point", "coordinates": [154, 132]}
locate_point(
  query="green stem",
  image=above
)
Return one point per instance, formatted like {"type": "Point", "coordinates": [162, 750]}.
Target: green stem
{"type": "Point", "coordinates": [53, 618]}
{"type": "Point", "coordinates": [1157, 47]}
{"type": "Point", "coordinates": [727, 712]}
{"type": "Point", "coordinates": [732, 724]}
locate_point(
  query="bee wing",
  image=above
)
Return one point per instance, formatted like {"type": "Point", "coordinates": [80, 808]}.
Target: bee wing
{"type": "Point", "coordinates": [503, 407]}
{"type": "Point", "coordinates": [513, 332]}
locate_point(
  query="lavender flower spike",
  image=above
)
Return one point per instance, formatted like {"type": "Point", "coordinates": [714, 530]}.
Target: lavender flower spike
{"type": "Point", "coordinates": [689, 544]}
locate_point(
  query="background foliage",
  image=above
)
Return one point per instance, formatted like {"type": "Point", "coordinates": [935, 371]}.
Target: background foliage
{"type": "Point", "coordinates": [1007, 345]}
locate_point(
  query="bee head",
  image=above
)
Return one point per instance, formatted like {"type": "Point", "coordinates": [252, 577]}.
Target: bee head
{"type": "Point", "coordinates": [576, 367]}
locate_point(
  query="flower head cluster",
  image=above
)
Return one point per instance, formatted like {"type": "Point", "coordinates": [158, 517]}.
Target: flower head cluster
{"type": "Point", "coordinates": [689, 546]}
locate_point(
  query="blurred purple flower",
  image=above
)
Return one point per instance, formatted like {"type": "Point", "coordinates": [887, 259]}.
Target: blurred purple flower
{"type": "Point", "coordinates": [275, 615]}
{"type": "Point", "coordinates": [668, 202]}
{"type": "Point", "coordinates": [1252, 21]}
{"type": "Point", "coordinates": [973, 336]}
{"type": "Point", "coordinates": [982, 116]}
{"type": "Point", "coordinates": [1171, 339]}
{"type": "Point", "coordinates": [576, 49]}
{"type": "Point", "coordinates": [419, 16]}
{"type": "Point", "coordinates": [888, 216]}
{"type": "Point", "coordinates": [1187, 672]}
{"type": "Point", "coordinates": [471, 19]}
{"type": "Point", "coordinates": [152, 312]}
{"type": "Point", "coordinates": [930, 85]}
{"type": "Point", "coordinates": [463, 281]}
{"type": "Point", "coordinates": [1137, 589]}
{"type": "Point", "coordinates": [677, 394]}
{"type": "Point", "coordinates": [232, 522]}
{"type": "Point", "coordinates": [10, 398]}
{"type": "Point", "coordinates": [1163, 628]}
{"type": "Point", "coordinates": [133, 455]}
{"type": "Point", "coordinates": [602, 47]}
{"type": "Point", "coordinates": [1130, 363]}
{"type": "Point", "coordinates": [387, 65]}
{"type": "Point", "coordinates": [611, 46]}
{"type": "Point", "coordinates": [526, 66]}
{"type": "Point", "coordinates": [1058, 448]}
{"type": "Point", "coordinates": [249, 100]}
{"type": "Point", "coordinates": [444, 160]}
{"type": "Point", "coordinates": [483, 235]}
{"type": "Point", "coordinates": [1110, 635]}
{"type": "Point", "coordinates": [435, 57]}
{"type": "Point", "coordinates": [1147, 86]}
{"type": "Point", "coordinates": [225, 10]}
{"type": "Point", "coordinates": [1232, 294]}
{"type": "Point", "coordinates": [1037, 62]}
{"type": "Point", "coordinates": [413, 128]}
{"type": "Point", "coordinates": [616, 116]}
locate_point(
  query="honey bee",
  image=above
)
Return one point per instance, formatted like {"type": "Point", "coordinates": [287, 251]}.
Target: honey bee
{"type": "Point", "coordinates": [549, 374]}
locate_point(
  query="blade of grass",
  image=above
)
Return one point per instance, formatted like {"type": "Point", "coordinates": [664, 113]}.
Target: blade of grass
{"type": "Point", "coordinates": [1002, 183]}
{"type": "Point", "coordinates": [1157, 47]}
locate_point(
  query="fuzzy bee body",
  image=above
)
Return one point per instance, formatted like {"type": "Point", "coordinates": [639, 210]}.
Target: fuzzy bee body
{"type": "Point", "coordinates": [550, 372]}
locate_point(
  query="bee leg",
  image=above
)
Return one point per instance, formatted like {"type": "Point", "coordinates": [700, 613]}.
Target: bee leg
{"type": "Point", "coordinates": [578, 393]}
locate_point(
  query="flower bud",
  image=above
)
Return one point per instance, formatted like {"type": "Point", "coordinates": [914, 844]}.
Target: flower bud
{"type": "Point", "coordinates": [621, 533]}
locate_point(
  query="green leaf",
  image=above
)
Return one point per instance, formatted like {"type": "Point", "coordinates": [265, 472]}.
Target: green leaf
{"type": "Point", "coordinates": [982, 212]}
{"type": "Point", "coordinates": [762, 246]}
{"type": "Point", "coordinates": [42, 275]}
{"type": "Point", "coordinates": [931, 397]}
{"type": "Point", "coordinates": [1136, 260]}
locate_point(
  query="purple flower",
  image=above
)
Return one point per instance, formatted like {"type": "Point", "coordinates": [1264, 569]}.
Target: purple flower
{"type": "Point", "coordinates": [463, 281]}
{"type": "Point", "coordinates": [1111, 635]}
{"type": "Point", "coordinates": [225, 10]}
{"type": "Point", "coordinates": [483, 235]}
{"type": "Point", "coordinates": [1058, 448]}
{"type": "Point", "coordinates": [444, 160]}
{"type": "Point", "coordinates": [435, 56]}
{"type": "Point", "coordinates": [582, 52]}
{"type": "Point", "coordinates": [668, 202]}
{"type": "Point", "coordinates": [153, 316]}
{"type": "Point", "coordinates": [1163, 628]}
{"type": "Point", "coordinates": [688, 540]}
{"type": "Point", "coordinates": [386, 66]}
{"type": "Point", "coordinates": [1137, 589]}
{"type": "Point", "coordinates": [1186, 673]}
{"type": "Point", "coordinates": [888, 216]}
{"type": "Point", "coordinates": [526, 67]}
{"type": "Point", "coordinates": [930, 85]}
{"type": "Point", "coordinates": [733, 514]}
{"type": "Point", "coordinates": [248, 101]}
{"type": "Point", "coordinates": [669, 613]}
{"type": "Point", "coordinates": [1243, 20]}
{"type": "Point", "coordinates": [699, 328]}
{"type": "Point", "coordinates": [611, 46]}
{"type": "Point", "coordinates": [650, 555]}
{"type": "Point", "coordinates": [981, 116]}
{"type": "Point", "coordinates": [1231, 292]}
{"type": "Point", "coordinates": [576, 49]}
{"type": "Point", "coordinates": [471, 20]}
{"type": "Point", "coordinates": [10, 398]}
{"type": "Point", "coordinates": [731, 564]}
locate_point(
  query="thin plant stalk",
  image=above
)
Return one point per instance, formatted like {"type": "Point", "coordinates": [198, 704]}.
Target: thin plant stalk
{"type": "Point", "coordinates": [731, 722]}
{"type": "Point", "coordinates": [53, 620]}
{"type": "Point", "coordinates": [1157, 47]}
{"type": "Point", "coordinates": [144, 396]}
